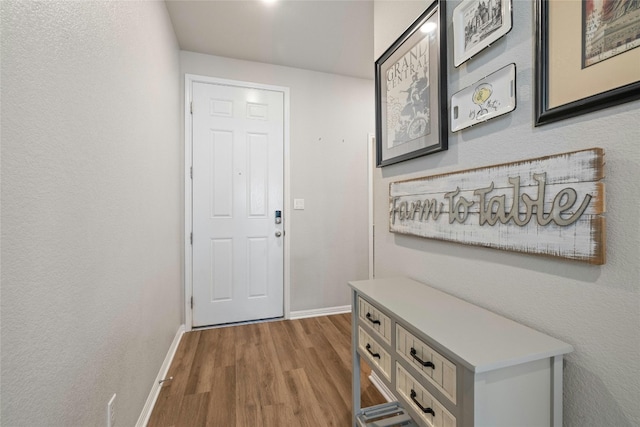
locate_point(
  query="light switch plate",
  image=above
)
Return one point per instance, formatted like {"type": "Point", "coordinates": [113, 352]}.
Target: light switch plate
{"type": "Point", "coordinates": [298, 204]}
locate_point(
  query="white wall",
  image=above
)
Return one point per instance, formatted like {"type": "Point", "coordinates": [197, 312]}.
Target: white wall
{"type": "Point", "coordinates": [331, 116]}
{"type": "Point", "coordinates": [91, 208]}
{"type": "Point", "coordinates": [595, 308]}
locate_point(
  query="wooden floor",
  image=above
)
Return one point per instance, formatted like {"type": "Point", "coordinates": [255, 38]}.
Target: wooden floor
{"type": "Point", "coordinates": [285, 373]}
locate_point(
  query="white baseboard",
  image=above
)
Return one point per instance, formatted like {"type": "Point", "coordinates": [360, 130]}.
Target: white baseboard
{"type": "Point", "coordinates": [155, 389]}
{"type": "Point", "coordinates": [382, 387]}
{"type": "Point", "coordinates": [319, 312]}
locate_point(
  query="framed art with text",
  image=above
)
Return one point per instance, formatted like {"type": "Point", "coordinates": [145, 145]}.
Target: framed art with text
{"type": "Point", "coordinates": [411, 91]}
{"type": "Point", "coordinates": [587, 56]}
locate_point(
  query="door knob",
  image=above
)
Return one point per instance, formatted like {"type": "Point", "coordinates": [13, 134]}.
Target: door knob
{"type": "Point", "coordinates": [278, 233]}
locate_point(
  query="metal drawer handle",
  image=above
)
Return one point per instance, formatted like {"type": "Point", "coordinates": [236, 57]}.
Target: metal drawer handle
{"type": "Point", "coordinates": [371, 352]}
{"type": "Point", "coordinates": [375, 322]}
{"type": "Point", "coordinates": [425, 410]}
{"type": "Point", "coordinates": [422, 362]}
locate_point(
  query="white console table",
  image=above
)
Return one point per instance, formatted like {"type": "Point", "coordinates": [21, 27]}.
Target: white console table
{"type": "Point", "coordinates": [450, 363]}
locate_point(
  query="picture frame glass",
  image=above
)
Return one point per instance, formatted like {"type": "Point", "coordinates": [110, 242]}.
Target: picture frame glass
{"type": "Point", "coordinates": [408, 85]}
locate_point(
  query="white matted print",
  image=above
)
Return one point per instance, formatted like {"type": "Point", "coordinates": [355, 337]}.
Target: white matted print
{"type": "Point", "coordinates": [477, 24]}
{"type": "Point", "coordinates": [487, 98]}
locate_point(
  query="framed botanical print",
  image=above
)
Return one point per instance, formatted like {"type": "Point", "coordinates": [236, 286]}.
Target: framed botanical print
{"type": "Point", "coordinates": [411, 91]}
{"type": "Point", "coordinates": [587, 56]}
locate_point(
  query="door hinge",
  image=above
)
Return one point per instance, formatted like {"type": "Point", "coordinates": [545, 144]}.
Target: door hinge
{"type": "Point", "coordinates": [192, 303]}
{"type": "Point", "coordinates": [191, 238]}
{"type": "Point", "coordinates": [191, 172]}
{"type": "Point", "coordinates": [191, 107]}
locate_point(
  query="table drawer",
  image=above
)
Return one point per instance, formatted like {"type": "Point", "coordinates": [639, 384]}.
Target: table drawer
{"type": "Point", "coordinates": [432, 412]}
{"type": "Point", "coordinates": [374, 318]}
{"type": "Point", "coordinates": [431, 364]}
{"type": "Point", "coordinates": [374, 353]}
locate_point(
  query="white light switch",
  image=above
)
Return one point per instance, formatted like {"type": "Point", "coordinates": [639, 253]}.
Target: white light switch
{"type": "Point", "coordinates": [298, 204]}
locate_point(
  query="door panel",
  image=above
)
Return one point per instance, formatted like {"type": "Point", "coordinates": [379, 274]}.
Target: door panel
{"type": "Point", "coordinates": [221, 253]}
{"type": "Point", "coordinates": [258, 178]}
{"type": "Point", "coordinates": [221, 174]}
{"type": "Point", "coordinates": [257, 266]}
{"type": "Point", "coordinates": [238, 180]}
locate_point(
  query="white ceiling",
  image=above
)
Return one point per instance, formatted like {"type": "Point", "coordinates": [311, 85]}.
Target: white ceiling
{"type": "Point", "coordinates": [320, 35]}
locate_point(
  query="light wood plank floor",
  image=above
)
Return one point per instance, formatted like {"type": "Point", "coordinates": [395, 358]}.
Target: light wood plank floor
{"type": "Point", "coordinates": [284, 373]}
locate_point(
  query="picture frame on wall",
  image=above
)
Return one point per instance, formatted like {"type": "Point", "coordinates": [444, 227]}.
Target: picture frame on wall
{"type": "Point", "coordinates": [477, 24]}
{"type": "Point", "coordinates": [587, 56]}
{"type": "Point", "coordinates": [411, 91]}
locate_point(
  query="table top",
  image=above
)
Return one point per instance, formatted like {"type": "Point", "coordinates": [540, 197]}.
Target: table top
{"type": "Point", "coordinates": [482, 340]}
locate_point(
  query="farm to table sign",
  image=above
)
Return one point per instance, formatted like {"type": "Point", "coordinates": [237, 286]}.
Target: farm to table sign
{"type": "Point", "coordinates": [549, 206]}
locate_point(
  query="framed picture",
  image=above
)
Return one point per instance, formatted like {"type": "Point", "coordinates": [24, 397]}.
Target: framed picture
{"type": "Point", "coordinates": [587, 56]}
{"type": "Point", "coordinates": [477, 24]}
{"type": "Point", "coordinates": [411, 91]}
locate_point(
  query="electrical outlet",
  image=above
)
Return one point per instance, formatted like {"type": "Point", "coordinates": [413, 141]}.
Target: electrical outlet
{"type": "Point", "coordinates": [111, 412]}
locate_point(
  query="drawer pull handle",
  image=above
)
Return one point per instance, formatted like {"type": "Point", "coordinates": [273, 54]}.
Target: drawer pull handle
{"type": "Point", "coordinates": [375, 322]}
{"type": "Point", "coordinates": [422, 408]}
{"type": "Point", "coordinates": [371, 352]}
{"type": "Point", "coordinates": [420, 361]}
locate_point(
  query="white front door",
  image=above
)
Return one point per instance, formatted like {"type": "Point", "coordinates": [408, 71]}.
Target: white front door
{"type": "Point", "coordinates": [238, 181]}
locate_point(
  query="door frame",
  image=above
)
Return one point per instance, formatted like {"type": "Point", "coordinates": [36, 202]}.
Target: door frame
{"type": "Point", "coordinates": [189, 80]}
{"type": "Point", "coordinates": [371, 153]}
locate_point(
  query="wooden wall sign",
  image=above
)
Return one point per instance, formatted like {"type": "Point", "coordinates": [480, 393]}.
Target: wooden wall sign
{"type": "Point", "coordinates": [549, 206]}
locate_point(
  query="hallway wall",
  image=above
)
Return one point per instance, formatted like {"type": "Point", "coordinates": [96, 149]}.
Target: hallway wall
{"type": "Point", "coordinates": [91, 217]}
{"type": "Point", "coordinates": [594, 308]}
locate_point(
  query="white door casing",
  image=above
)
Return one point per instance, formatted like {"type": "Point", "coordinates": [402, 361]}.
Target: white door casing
{"type": "Point", "coordinates": [239, 136]}
{"type": "Point", "coordinates": [371, 167]}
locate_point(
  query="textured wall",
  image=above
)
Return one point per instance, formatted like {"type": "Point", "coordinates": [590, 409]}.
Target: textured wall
{"type": "Point", "coordinates": [91, 218]}
{"type": "Point", "coordinates": [331, 116]}
{"type": "Point", "coordinates": [595, 308]}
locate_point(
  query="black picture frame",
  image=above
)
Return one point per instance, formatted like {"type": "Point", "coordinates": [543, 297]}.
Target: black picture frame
{"type": "Point", "coordinates": [411, 91]}
{"type": "Point", "coordinates": [593, 102]}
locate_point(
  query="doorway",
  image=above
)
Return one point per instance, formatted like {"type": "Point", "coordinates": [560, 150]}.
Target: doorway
{"type": "Point", "coordinates": [236, 260]}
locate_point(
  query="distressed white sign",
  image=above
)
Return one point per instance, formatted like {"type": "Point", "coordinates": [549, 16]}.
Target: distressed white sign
{"type": "Point", "coordinates": [549, 206]}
